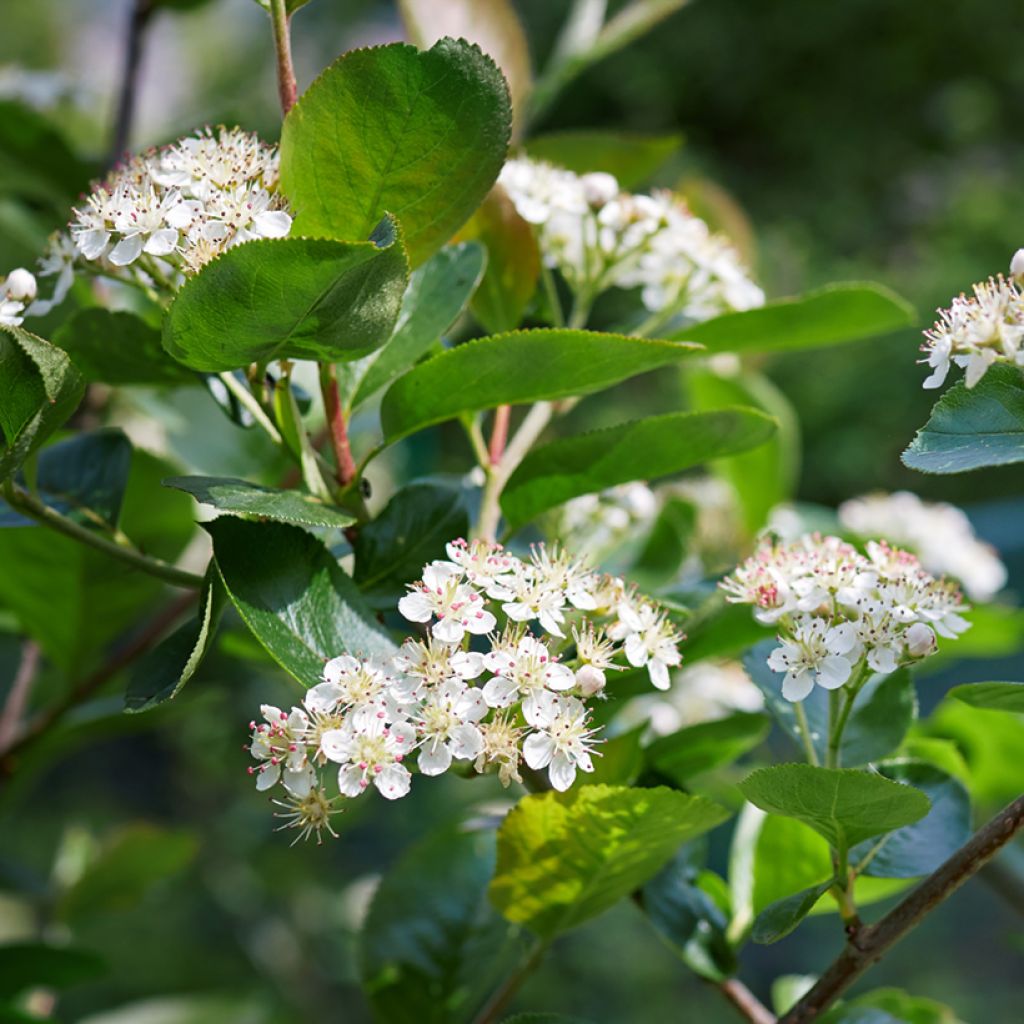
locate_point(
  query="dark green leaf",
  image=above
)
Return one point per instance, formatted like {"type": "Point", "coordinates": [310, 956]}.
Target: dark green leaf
{"type": "Point", "coordinates": [421, 135]}
{"type": "Point", "coordinates": [563, 858]}
{"type": "Point", "coordinates": [779, 919]}
{"type": "Point", "coordinates": [523, 366]}
{"type": "Point", "coordinates": [294, 596]}
{"type": "Point", "coordinates": [620, 762]}
{"type": "Point", "coordinates": [160, 675]}
{"type": "Point", "coordinates": [845, 806]}
{"type": "Point", "coordinates": [722, 630]}
{"type": "Point", "coordinates": [831, 315]}
{"type": "Point", "coordinates": [973, 428]}
{"type": "Point", "coordinates": [432, 948]}
{"type": "Point", "coordinates": [642, 450]}
{"type": "Point", "coordinates": [918, 849]}
{"type": "Point", "coordinates": [413, 529]}
{"type": "Point", "coordinates": [288, 298]}
{"type": "Point", "coordinates": [543, 1018]}
{"type": "Point", "coordinates": [435, 296]}
{"type": "Point", "coordinates": [244, 498]}
{"type": "Point", "coordinates": [632, 159]}
{"type": "Point", "coordinates": [118, 348]}
{"type": "Point", "coordinates": [699, 748]}
{"type": "Point", "coordinates": [995, 696]}
{"type": "Point", "coordinates": [891, 1006]}
{"type": "Point", "coordinates": [25, 965]}
{"type": "Point", "coordinates": [665, 547]}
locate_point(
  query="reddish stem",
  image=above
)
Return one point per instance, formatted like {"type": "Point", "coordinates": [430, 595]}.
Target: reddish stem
{"type": "Point", "coordinates": [286, 86]}
{"type": "Point", "coordinates": [499, 433]}
{"type": "Point", "coordinates": [338, 425]}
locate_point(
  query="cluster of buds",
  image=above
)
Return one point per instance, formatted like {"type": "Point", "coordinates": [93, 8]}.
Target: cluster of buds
{"type": "Point", "coordinates": [841, 613]}
{"type": "Point", "coordinates": [599, 237]}
{"type": "Point", "coordinates": [478, 686]}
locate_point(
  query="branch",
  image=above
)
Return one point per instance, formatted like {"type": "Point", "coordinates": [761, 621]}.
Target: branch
{"type": "Point", "coordinates": [505, 992]}
{"type": "Point", "coordinates": [750, 1007]}
{"type": "Point", "coordinates": [338, 424]}
{"type": "Point", "coordinates": [871, 943]}
{"type": "Point", "coordinates": [17, 697]}
{"type": "Point", "coordinates": [142, 12]}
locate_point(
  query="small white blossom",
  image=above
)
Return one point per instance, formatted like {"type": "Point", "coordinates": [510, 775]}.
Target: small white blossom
{"type": "Point", "coordinates": [524, 672]}
{"type": "Point", "coordinates": [446, 726]}
{"type": "Point", "coordinates": [369, 748]}
{"type": "Point", "coordinates": [457, 607]}
{"type": "Point", "coordinates": [562, 742]}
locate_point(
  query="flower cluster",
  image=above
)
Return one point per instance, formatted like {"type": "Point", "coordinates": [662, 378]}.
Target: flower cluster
{"type": "Point", "coordinates": [478, 686]}
{"type": "Point", "coordinates": [600, 237]}
{"type": "Point", "coordinates": [940, 535]}
{"type": "Point", "coordinates": [841, 613]}
{"type": "Point", "coordinates": [977, 331]}
{"type": "Point", "coordinates": [167, 212]}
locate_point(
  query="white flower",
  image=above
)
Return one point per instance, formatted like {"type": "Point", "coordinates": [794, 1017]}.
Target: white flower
{"type": "Point", "coordinates": [814, 653]}
{"type": "Point", "coordinates": [562, 742]}
{"type": "Point", "coordinates": [484, 564]}
{"type": "Point", "coordinates": [445, 723]}
{"type": "Point", "coordinates": [529, 599]}
{"type": "Point", "coordinates": [524, 672]}
{"type": "Point", "coordinates": [10, 312]}
{"type": "Point", "coordinates": [369, 748]}
{"type": "Point", "coordinates": [349, 682]}
{"type": "Point", "coordinates": [279, 743]}
{"type": "Point", "coordinates": [458, 608]}
{"type": "Point", "coordinates": [649, 639]}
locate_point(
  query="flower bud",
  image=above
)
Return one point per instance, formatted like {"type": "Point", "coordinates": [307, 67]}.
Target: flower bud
{"type": "Point", "coordinates": [20, 285]}
{"type": "Point", "coordinates": [1017, 263]}
{"type": "Point", "coordinates": [920, 640]}
{"type": "Point", "coordinates": [590, 680]}
{"type": "Point", "coordinates": [599, 188]}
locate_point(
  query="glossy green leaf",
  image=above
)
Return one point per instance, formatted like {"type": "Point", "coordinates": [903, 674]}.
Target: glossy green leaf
{"type": "Point", "coordinates": [288, 298]}
{"type": "Point", "coordinates": [706, 745]}
{"type": "Point", "coordinates": [436, 294]}
{"type": "Point", "coordinates": [137, 858]}
{"type": "Point", "coordinates": [39, 390]}
{"type": "Point", "coordinates": [973, 428]}
{"type": "Point", "coordinates": [631, 159]}
{"type": "Point", "coordinates": [779, 919]}
{"type": "Point", "coordinates": [25, 965]}
{"type": "Point", "coordinates": [845, 806]}
{"type": "Point", "coordinates": [642, 450]}
{"type": "Point", "coordinates": [431, 947]}
{"type": "Point", "coordinates": [391, 129]}
{"type": "Point", "coordinates": [918, 849]}
{"type": "Point", "coordinates": [994, 696]}
{"type": "Point", "coordinates": [563, 858]}
{"type": "Point", "coordinates": [411, 531]}
{"type": "Point", "coordinates": [243, 498]}
{"type": "Point", "coordinates": [119, 348]}
{"type": "Point", "coordinates": [160, 674]}
{"type": "Point", "coordinates": [837, 313]}
{"type": "Point", "coordinates": [294, 596]}
{"type": "Point", "coordinates": [524, 366]}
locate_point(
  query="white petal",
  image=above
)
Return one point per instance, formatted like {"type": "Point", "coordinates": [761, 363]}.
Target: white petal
{"type": "Point", "coordinates": [559, 677]}
{"type": "Point", "coordinates": [883, 659]}
{"type": "Point", "coordinates": [161, 242]}
{"type": "Point", "coordinates": [797, 685]}
{"type": "Point", "coordinates": [636, 651]}
{"type": "Point", "coordinates": [480, 623]}
{"type": "Point", "coordinates": [266, 778]}
{"type": "Point", "coordinates": [350, 781]}
{"type": "Point", "coordinates": [658, 671]}
{"type": "Point", "coordinates": [435, 757]}
{"type": "Point", "coordinates": [562, 772]}
{"type": "Point", "coordinates": [393, 782]}
{"type": "Point", "coordinates": [91, 244]}
{"type": "Point", "coordinates": [499, 692]}
{"type": "Point", "coordinates": [449, 631]}
{"type": "Point", "coordinates": [467, 664]}
{"type": "Point", "coordinates": [416, 606]}
{"type": "Point", "coordinates": [336, 744]}
{"type": "Point", "coordinates": [322, 698]}
{"type": "Point", "coordinates": [126, 251]}
{"type": "Point", "coordinates": [538, 750]}
{"type": "Point", "coordinates": [300, 783]}
{"type": "Point", "coordinates": [466, 742]}
{"type": "Point", "coordinates": [833, 672]}
{"type": "Point", "coordinates": [272, 224]}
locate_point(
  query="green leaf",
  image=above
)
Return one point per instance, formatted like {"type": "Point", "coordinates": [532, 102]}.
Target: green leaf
{"type": "Point", "coordinates": [642, 450]}
{"type": "Point", "coordinates": [779, 919]}
{"type": "Point", "coordinates": [564, 858]}
{"type": "Point", "coordinates": [837, 313]}
{"type": "Point", "coordinates": [523, 366]}
{"type": "Point", "coordinates": [973, 428]}
{"type": "Point", "coordinates": [891, 1005]}
{"type": "Point", "coordinates": [160, 675]}
{"type": "Point", "coordinates": [118, 348]}
{"type": "Point", "coordinates": [138, 858]}
{"type": "Point", "coordinates": [294, 596]}
{"type": "Point", "coordinates": [788, 989]}
{"type": "Point", "coordinates": [436, 294]}
{"type": "Point", "coordinates": [699, 748]}
{"type": "Point", "coordinates": [722, 630]}
{"type": "Point", "coordinates": [431, 947]}
{"type": "Point", "coordinates": [659, 560]}
{"type": "Point", "coordinates": [632, 159]}
{"type": "Point", "coordinates": [995, 696]}
{"type": "Point", "coordinates": [25, 965]}
{"type": "Point", "coordinates": [845, 806]}
{"type": "Point", "coordinates": [918, 849]}
{"type": "Point", "coordinates": [288, 298]}
{"type": "Point", "coordinates": [883, 710]}
{"type": "Point", "coordinates": [620, 762]}
{"type": "Point", "coordinates": [243, 498]}
{"type": "Point", "coordinates": [413, 529]}
{"type": "Point", "coordinates": [543, 1018]}
{"type": "Point", "coordinates": [291, 6]}
{"type": "Point", "coordinates": [39, 390]}
{"type": "Point", "coordinates": [421, 135]}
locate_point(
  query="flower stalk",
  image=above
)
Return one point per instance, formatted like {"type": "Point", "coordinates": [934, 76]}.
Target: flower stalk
{"type": "Point", "coordinates": [287, 87]}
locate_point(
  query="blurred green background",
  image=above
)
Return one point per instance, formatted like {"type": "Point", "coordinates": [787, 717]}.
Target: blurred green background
{"type": "Point", "coordinates": [857, 140]}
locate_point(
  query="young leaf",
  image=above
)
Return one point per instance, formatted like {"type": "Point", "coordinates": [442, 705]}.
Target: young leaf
{"type": "Point", "coordinates": [832, 315]}
{"type": "Point", "coordinates": [119, 348]}
{"type": "Point", "coordinates": [918, 849]}
{"type": "Point", "coordinates": [779, 919]}
{"type": "Point", "coordinates": [523, 366]}
{"type": "Point", "coordinates": [642, 450]}
{"type": "Point", "coordinates": [973, 428]}
{"type": "Point", "coordinates": [243, 498]}
{"type": "Point", "coordinates": [995, 696]}
{"type": "Point", "coordinates": [631, 159]}
{"type": "Point", "coordinates": [564, 858]}
{"type": "Point", "coordinates": [431, 943]}
{"type": "Point", "coordinates": [845, 806]}
{"type": "Point", "coordinates": [393, 129]}
{"type": "Point", "coordinates": [699, 748]}
{"type": "Point", "coordinates": [435, 296]}
{"type": "Point", "coordinates": [293, 595]}
{"type": "Point", "coordinates": [411, 531]}
{"type": "Point", "coordinates": [288, 298]}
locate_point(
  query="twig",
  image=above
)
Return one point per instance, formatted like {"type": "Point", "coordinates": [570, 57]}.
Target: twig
{"type": "Point", "coordinates": [287, 88]}
{"type": "Point", "coordinates": [503, 995]}
{"type": "Point", "coordinates": [138, 21]}
{"type": "Point", "coordinates": [17, 697]}
{"type": "Point", "coordinates": [499, 433]}
{"type": "Point", "coordinates": [750, 1007]}
{"type": "Point", "coordinates": [871, 943]}
{"type": "Point", "coordinates": [346, 467]}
